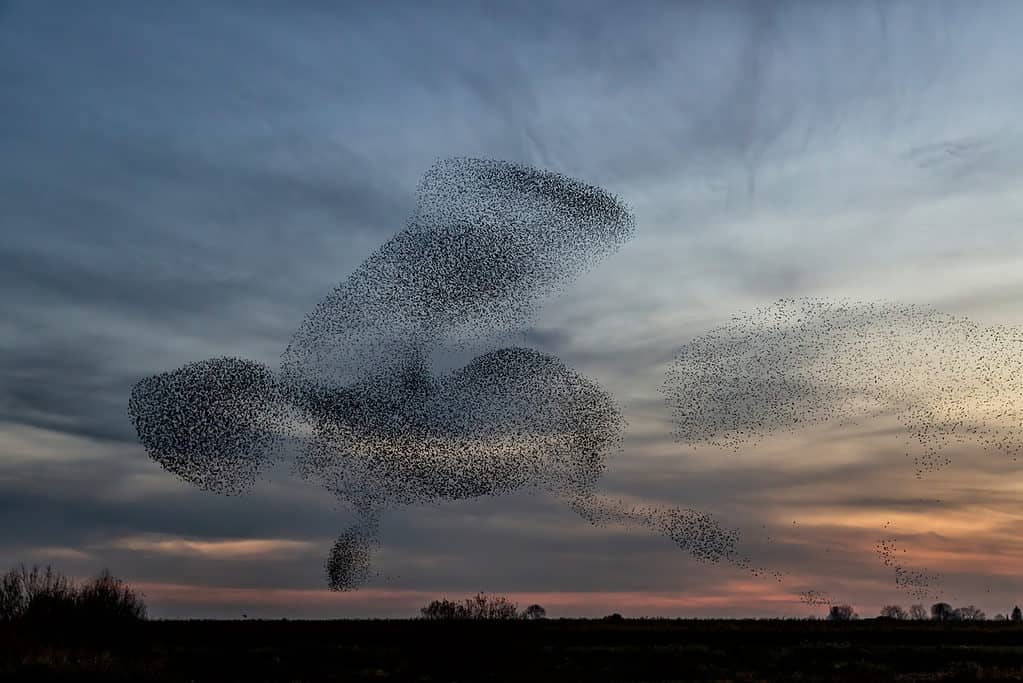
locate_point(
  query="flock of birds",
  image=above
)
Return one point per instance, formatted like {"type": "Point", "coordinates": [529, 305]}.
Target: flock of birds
{"type": "Point", "coordinates": [804, 362]}
{"type": "Point", "coordinates": [358, 407]}
{"type": "Point", "coordinates": [816, 598]}
{"type": "Point", "coordinates": [362, 406]}
{"type": "Point", "coordinates": [918, 584]}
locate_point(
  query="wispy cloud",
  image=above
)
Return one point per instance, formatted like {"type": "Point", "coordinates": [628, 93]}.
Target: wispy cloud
{"type": "Point", "coordinates": [220, 549]}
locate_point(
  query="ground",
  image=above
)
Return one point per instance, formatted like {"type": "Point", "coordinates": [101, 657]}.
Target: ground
{"type": "Point", "coordinates": [561, 650]}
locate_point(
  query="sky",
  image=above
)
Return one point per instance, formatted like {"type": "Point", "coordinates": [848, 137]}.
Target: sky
{"type": "Point", "coordinates": [187, 180]}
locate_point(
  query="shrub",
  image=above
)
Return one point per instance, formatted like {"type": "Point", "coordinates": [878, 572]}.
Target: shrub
{"type": "Point", "coordinates": [480, 606]}
{"type": "Point", "coordinates": [534, 612]}
{"type": "Point", "coordinates": [483, 606]}
{"type": "Point", "coordinates": [841, 613]}
{"type": "Point", "coordinates": [442, 609]}
{"type": "Point", "coordinates": [46, 596]}
{"type": "Point", "coordinates": [12, 597]}
{"type": "Point", "coordinates": [109, 598]}
{"type": "Point", "coordinates": [41, 595]}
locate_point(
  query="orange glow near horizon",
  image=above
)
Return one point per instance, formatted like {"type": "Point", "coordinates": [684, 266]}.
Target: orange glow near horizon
{"type": "Point", "coordinates": [758, 595]}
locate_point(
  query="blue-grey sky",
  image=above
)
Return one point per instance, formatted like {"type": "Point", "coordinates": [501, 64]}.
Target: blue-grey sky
{"type": "Point", "coordinates": [186, 180]}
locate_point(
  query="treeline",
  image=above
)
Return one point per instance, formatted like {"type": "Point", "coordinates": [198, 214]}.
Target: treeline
{"type": "Point", "coordinates": [480, 606]}
{"type": "Point", "coordinates": [45, 596]}
{"type": "Point", "coordinates": [939, 611]}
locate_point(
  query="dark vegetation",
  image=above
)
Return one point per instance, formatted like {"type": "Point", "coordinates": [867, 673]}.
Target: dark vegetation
{"type": "Point", "coordinates": [47, 598]}
{"type": "Point", "coordinates": [480, 606]}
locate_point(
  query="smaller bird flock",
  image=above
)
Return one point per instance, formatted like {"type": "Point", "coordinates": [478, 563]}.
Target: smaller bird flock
{"type": "Point", "coordinates": [919, 584]}
{"type": "Point", "coordinates": [803, 362]}
{"type": "Point", "coordinates": [816, 598]}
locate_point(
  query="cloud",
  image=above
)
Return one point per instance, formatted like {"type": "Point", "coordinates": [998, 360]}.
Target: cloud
{"type": "Point", "coordinates": [219, 549]}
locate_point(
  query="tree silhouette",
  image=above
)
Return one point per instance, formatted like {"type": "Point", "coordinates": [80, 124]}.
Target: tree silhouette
{"type": "Point", "coordinates": [842, 613]}
{"type": "Point", "coordinates": [1017, 615]}
{"type": "Point", "coordinates": [918, 612]}
{"type": "Point", "coordinates": [894, 612]}
{"type": "Point", "coordinates": [970, 613]}
{"type": "Point", "coordinates": [942, 611]}
{"type": "Point", "coordinates": [534, 612]}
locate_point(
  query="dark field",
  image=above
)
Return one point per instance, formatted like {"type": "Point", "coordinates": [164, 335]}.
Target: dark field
{"type": "Point", "coordinates": [631, 650]}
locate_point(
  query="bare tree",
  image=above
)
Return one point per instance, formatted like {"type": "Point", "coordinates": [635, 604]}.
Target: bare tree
{"type": "Point", "coordinates": [918, 612]}
{"type": "Point", "coordinates": [842, 613]}
{"type": "Point", "coordinates": [894, 612]}
{"type": "Point", "coordinates": [971, 613]}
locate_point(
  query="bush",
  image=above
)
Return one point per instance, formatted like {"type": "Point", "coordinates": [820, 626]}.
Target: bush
{"type": "Point", "coordinates": [442, 609]}
{"type": "Point", "coordinates": [109, 598]}
{"type": "Point", "coordinates": [534, 612]}
{"type": "Point", "coordinates": [480, 606]}
{"type": "Point", "coordinates": [841, 613]}
{"type": "Point", "coordinates": [37, 595]}
{"type": "Point", "coordinates": [46, 596]}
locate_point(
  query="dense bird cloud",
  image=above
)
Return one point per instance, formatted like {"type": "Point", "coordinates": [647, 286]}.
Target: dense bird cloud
{"type": "Point", "coordinates": [487, 242]}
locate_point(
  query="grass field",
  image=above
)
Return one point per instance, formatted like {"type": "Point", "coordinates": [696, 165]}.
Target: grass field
{"type": "Point", "coordinates": [556, 650]}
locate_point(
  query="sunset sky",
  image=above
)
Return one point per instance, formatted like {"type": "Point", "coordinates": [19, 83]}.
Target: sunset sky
{"type": "Point", "coordinates": [186, 180]}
